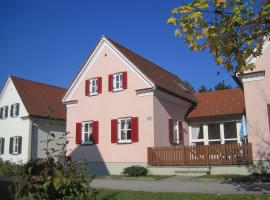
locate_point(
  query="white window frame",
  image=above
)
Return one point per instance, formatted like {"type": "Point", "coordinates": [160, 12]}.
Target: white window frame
{"type": "Point", "coordinates": [175, 132]}
{"type": "Point", "coordinates": [124, 141]}
{"type": "Point", "coordinates": [206, 139]}
{"type": "Point", "coordinates": [194, 141]}
{"type": "Point", "coordinates": [221, 134]}
{"type": "Point", "coordinates": [16, 140]}
{"type": "Point", "coordinates": [231, 139]}
{"type": "Point", "coordinates": [120, 82]}
{"type": "Point", "coordinates": [89, 132]}
{"type": "Point", "coordinates": [93, 86]}
{"type": "Point", "coordinates": [1, 144]}
{"type": "Point", "coordinates": [5, 112]}
{"type": "Point", "coordinates": [15, 108]}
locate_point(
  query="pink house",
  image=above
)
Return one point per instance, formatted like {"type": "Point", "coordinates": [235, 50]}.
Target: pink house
{"type": "Point", "coordinates": [256, 85]}
{"type": "Point", "coordinates": [121, 103]}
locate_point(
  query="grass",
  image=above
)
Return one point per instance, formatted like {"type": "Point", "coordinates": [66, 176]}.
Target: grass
{"type": "Point", "coordinates": [239, 178]}
{"type": "Point", "coordinates": [134, 195]}
{"type": "Point", "coordinates": [106, 194]}
{"type": "Point", "coordinates": [122, 177]}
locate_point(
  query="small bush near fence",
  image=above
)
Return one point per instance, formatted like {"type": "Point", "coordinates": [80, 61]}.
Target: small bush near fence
{"type": "Point", "coordinates": [135, 171]}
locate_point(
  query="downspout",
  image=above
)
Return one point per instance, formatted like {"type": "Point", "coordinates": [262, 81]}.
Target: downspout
{"type": "Point", "coordinates": [30, 140]}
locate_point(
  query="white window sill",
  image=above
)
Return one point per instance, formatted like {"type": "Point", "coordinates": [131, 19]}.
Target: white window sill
{"type": "Point", "coordinates": [118, 90]}
{"type": "Point", "coordinates": [86, 143]}
{"type": "Point", "coordinates": [124, 142]}
{"type": "Point", "coordinates": [93, 94]}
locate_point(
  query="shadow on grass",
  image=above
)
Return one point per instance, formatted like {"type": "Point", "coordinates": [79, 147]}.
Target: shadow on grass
{"type": "Point", "coordinates": [254, 182]}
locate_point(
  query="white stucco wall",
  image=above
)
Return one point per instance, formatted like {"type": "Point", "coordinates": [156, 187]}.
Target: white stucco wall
{"type": "Point", "coordinates": [14, 126]}
{"type": "Point", "coordinates": [40, 130]}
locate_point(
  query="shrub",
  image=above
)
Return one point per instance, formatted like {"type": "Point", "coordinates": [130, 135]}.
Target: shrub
{"type": "Point", "coordinates": [9, 168]}
{"type": "Point", "coordinates": [135, 171]}
{"type": "Point", "coordinates": [53, 179]}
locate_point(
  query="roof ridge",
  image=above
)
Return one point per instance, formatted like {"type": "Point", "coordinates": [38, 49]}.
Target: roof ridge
{"type": "Point", "coordinates": [214, 91]}
{"type": "Point", "coordinates": [36, 82]}
{"type": "Point", "coordinates": [141, 56]}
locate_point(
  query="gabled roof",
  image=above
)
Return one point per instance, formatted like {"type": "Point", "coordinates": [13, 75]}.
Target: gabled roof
{"type": "Point", "coordinates": [162, 79]}
{"type": "Point", "coordinates": [41, 100]}
{"type": "Point", "coordinates": [219, 103]}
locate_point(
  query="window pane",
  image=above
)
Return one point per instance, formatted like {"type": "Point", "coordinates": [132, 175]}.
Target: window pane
{"type": "Point", "coordinates": [123, 135]}
{"type": "Point", "coordinates": [213, 131]}
{"type": "Point", "coordinates": [86, 127]}
{"type": "Point", "coordinates": [122, 124]}
{"type": "Point", "coordinates": [231, 142]}
{"type": "Point", "coordinates": [197, 143]}
{"type": "Point", "coordinates": [215, 142]}
{"type": "Point", "coordinates": [128, 135]}
{"type": "Point", "coordinates": [230, 130]}
{"type": "Point", "coordinates": [86, 138]}
{"type": "Point", "coordinates": [197, 132]}
{"type": "Point", "coordinates": [128, 124]}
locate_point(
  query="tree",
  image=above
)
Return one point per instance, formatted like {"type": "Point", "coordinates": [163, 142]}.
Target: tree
{"type": "Point", "coordinates": [190, 86]}
{"type": "Point", "coordinates": [204, 89]}
{"type": "Point", "coordinates": [233, 30]}
{"type": "Point", "coordinates": [222, 86]}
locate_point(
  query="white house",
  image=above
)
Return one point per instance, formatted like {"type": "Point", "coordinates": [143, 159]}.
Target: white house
{"type": "Point", "coordinates": [29, 111]}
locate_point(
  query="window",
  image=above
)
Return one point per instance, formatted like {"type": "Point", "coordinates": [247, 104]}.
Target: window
{"type": "Point", "coordinates": [15, 145]}
{"type": "Point", "coordinates": [14, 110]}
{"type": "Point", "coordinates": [94, 86]}
{"type": "Point", "coordinates": [2, 145]}
{"type": "Point", "coordinates": [197, 134]}
{"type": "Point", "coordinates": [230, 132]}
{"type": "Point", "coordinates": [118, 81]}
{"type": "Point", "coordinates": [124, 130]}
{"type": "Point", "coordinates": [87, 132]}
{"type": "Point", "coordinates": [4, 112]}
{"type": "Point", "coordinates": [175, 132]}
{"type": "Point", "coordinates": [214, 134]}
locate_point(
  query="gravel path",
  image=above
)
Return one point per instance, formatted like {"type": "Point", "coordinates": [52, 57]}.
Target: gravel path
{"type": "Point", "coordinates": [184, 184]}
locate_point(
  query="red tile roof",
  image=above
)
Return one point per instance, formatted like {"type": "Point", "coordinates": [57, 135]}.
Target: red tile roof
{"type": "Point", "coordinates": [41, 100]}
{"type": "Point", "coordinates": [163, 79]}
{"type": "Point", "coordinates": [219, 103]}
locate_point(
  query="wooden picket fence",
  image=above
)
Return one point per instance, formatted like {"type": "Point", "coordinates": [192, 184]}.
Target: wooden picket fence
{"type": "Point", "coordinates": [218, 154]}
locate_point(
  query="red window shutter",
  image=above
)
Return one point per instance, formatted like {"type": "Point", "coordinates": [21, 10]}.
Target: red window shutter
{"type": "Point", "coordinates": [110, 83]}
{"type": "Point", "coordinates": [134, 129]}
{"type": "Point", "coordinates": [114, 134]}
{"type": "Point", "coordinates": [124, 84]}
{"type": "Point", "coordinates": [181, 132]}
{"type": "Point", "coordinates": [87, 87]}
{"type": "Point", "coordinates": [99, 85]}
{"type": "Point", "coordinates": [78, 133]}
{"type": "Point", "coordinates": [95, 132]}
{"type": "Point", "coordinates": [170, 130]}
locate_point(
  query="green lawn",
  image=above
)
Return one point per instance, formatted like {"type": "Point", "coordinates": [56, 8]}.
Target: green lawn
{"type": "Point", "coordinates": [132, 195]}
{"type": "Point", "coordinates": [105, 194]}
{"type": "Point", "coordinates": [238, 178]}
{"type": "Point", "coordinates": [122, 177]}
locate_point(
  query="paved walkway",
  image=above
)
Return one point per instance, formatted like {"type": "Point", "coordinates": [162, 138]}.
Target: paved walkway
{"type": "Point", "coordinates": [184, 184]}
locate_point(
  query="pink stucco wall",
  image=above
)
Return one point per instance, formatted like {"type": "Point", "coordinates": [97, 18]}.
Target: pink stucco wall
{"type": "Point", "coordinates": [257, 96]}
{"type": "Point", "coordinates": [107, 106]}
{"type": "Point", "coordinates": [163, 110]}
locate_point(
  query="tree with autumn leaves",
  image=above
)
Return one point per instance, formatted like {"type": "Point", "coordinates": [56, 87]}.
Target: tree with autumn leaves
{"type": "Point", "coordinates": [232, 30]}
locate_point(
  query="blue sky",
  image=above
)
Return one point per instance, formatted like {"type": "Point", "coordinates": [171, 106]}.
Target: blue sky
{"type": "Point", "coordinates": [48, 41]}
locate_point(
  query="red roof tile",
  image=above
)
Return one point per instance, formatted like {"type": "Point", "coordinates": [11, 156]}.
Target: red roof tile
{"type": "Point", "coordinates": [159, 76]}
{"type": "Point", "coordinates": [218, 103]}
{"type": "Point", "coordinates": [41, 100]}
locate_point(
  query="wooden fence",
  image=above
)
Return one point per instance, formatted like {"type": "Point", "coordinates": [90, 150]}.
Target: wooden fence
{"type": "Point", "coordinates": [218, 154]}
